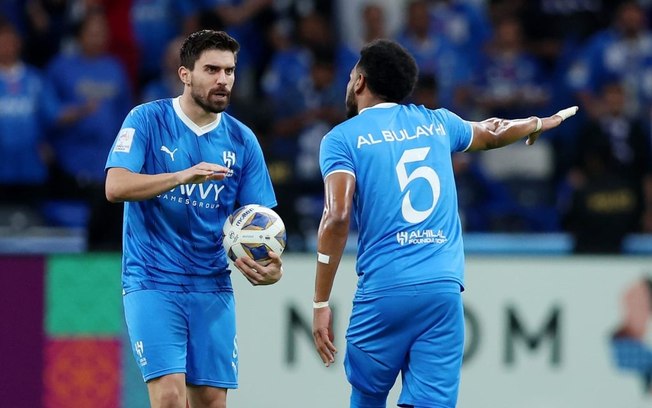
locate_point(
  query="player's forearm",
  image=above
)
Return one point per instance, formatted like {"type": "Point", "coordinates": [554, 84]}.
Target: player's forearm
{"type": "Point", "coordinates": [331, 241]}
{"type": "Point", "coordinates": [122, 185]}
{"type": "Point", "coordinates": [506, 132]}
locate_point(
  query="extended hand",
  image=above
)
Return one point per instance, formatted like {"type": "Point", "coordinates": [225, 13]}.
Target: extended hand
{"type": "Point", "coordinates": [202, 172]}
{"type": "Point", "coordinates": [259, 274]}
{"type": "Point", "coordinates": [551, 122]}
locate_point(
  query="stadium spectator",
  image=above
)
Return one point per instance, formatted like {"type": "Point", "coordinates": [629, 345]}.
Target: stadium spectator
{"type": "Point", "coordinates": [625, 135]}
{"type": "Point", "coordinates": [121, 42]}
{"type": "Point", "coordinates": [94, 91]}
{"type": "Point", "coordinates": [28, 107]}
{"type": "Point", "coordinates": [316, 33]}
{"type": "Point", "coordinates": [610, 178]}
{"type": "Point", "coordinates": [509, 80]}
{"type": "Point", "coordinates": [178, 297]}
{"type": "Point", "coordinates": [555, 30]}
{"type": "Point", "coordinates": [155, 23]}
{"type": "Point", "coordinates": [289, 66]}
{"type": "Point", "coordinates": [373, 22]}
{"type": "Point", "coordinates": [465, 24]}
{"type": "Point", "coordinates": [621, 50]}
{"type": "Point", "coordinates": [603, 208]}
{"type": "Point", "coordinates": [435, 54]}
{"type": "Point", "coordinates": [47, 26]}
{"type": "Point", "coordinates": [302, 115]}
{"type": "Point", "coordinates": [510, 83]}
{"type": "Point", "coordinates": [167, 84]}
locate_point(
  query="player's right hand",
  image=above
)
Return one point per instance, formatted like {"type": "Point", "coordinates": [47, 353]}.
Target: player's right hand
{"type": "Point", "coordinates": [551, 122]}
{"type": "Point", "coordinates": [322, 333]}
{"type": "Point", "coordinates": [202, 172]}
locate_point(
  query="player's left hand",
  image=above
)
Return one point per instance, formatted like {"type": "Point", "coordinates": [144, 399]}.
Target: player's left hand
{"type": "Point", "coordinates": [259, 274]}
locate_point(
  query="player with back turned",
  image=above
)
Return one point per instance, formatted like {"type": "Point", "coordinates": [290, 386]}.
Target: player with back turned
{"type": "Point", "coordinates": [389, 166]}
{"type": "Point", "coordinates": [181, 165]}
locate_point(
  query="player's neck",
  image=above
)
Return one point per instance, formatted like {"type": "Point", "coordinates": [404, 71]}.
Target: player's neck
{"type": "Point", "coordinates": [368, 100]}
{"type": "Point", "coordinates": [198, 115]}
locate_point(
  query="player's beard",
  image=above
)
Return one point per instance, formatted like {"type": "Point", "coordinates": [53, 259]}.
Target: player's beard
{"type": "Point", "coordinates": [205, 103]}
{"type": "Point", "coordinates": [351, 104]}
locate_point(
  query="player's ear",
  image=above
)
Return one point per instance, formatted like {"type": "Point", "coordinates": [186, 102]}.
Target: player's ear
{"type": "Point", "coordinates": [360, 83]}
{"type": "Point", "coordinates": [184, 75]}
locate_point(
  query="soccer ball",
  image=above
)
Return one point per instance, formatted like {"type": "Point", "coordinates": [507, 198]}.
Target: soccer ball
{"type": "Point", "coordinates": [252, 231]}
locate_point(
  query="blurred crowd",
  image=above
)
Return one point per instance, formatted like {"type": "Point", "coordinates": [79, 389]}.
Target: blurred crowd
{"type": "Point", "coordinates": [70, 70]}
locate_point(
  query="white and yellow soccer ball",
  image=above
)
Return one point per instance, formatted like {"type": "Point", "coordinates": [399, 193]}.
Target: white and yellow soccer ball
{"type": "Point", "coordinates": [252, 231]}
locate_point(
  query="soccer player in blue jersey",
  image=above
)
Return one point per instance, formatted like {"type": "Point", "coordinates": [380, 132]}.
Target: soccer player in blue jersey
{"type": "Point", "coordinates": [389, 166]}
{"type": "Point", "coordinates": [181, 165]}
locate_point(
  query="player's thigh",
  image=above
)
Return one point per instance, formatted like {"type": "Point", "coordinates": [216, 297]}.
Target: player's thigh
{"type": "Point", "coordinates": [158, 331]}
{"type": "Point", "coordinates": [432, 371]}
{"type": "Point", "coordinates": [375, 347]}
{"type": "Point", "coordinates": [212, 344]}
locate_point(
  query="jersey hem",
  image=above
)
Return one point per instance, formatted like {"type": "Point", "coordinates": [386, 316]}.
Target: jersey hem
{"type": "Point", "coordinates": [444, 284]}
{"type": "Point", "coordinates": [340, 171]}
{"type": "Point", "coordinates": [211, 383]}
{"type": "Point", "coordinates": [161, 373]}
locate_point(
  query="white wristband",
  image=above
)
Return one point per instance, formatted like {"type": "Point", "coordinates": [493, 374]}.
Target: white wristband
{"type": "Point", "coordinates": [539, 125]}
{"type": "Point", "coordinates": [319, 305]}
{"type": "Point", "coordinates": [567, 113]}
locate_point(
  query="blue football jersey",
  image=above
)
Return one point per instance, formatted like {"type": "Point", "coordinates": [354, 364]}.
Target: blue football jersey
{"type": "Point", "coordinates": [28, 107]}
{"type": "Point", "coordinates": [175, 239]}
{"type": "Point", "coordinates": [405, 203]}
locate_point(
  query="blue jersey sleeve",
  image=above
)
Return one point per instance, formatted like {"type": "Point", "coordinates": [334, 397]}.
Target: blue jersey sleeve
{"type": "Point", "coordinates": [256, 184]}
{"type": "Point", "coordinates": [128, 150]}
{"type": "Point", "coordinates": [458, 129]}
{"type": "Point", "coordinates": [334, 155]}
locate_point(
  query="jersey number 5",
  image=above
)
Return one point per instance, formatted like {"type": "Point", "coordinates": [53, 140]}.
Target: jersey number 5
{"type": "Point", "coordinates": [424, 172]}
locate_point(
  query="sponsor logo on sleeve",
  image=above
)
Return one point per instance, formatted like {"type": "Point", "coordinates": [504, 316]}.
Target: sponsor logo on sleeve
{"type": "Point", "coordinates": [124, 141]}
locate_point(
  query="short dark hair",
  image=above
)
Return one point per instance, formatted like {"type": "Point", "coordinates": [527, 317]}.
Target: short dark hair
{"type": "Point", "coordinates": [391, 72]}
{"type": "Point", "coordinates": [203, 40]}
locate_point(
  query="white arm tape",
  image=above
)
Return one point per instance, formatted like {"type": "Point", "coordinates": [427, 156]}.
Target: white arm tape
{"type": "Point", "coordinates": [567, 113]}
{"type": "Point", "coordinates": [323, 258]}
{"type": "Point", "coordinates": [319, 305]}
{"type": "Point", "coordinates": [539, 125]}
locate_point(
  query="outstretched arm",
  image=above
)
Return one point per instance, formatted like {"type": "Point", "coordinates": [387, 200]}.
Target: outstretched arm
{"type": "Point", "coordinates": [331, 239]}
{"type": "Point", "coordinates": [125, 185]}
{"type": "Point", "coordinates": [495, 132]}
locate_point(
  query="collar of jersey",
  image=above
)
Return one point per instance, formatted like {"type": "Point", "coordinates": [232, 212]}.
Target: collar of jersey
{"type": "Point", "coordinates": [198, 130]}
{"type": "Point", "coordinates": [382, 105]}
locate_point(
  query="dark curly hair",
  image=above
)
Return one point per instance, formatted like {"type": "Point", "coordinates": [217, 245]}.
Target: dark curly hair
{"type": "Point", "coordinates": [203, 40]}
{"type": "Point", "coordinates": [391, 72]}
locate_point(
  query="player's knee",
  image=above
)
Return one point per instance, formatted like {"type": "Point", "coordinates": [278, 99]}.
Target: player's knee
{"type": "Point", "coordinates": [363, 399]}
{"type": "Point", "coordinates": [168, 398]}
{"type": "Point", "coordinates": [206, 397]}
{"type": "Point", "coordinates": [167, 392]}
